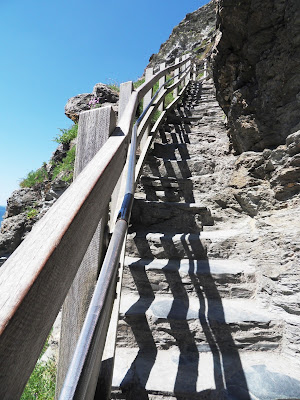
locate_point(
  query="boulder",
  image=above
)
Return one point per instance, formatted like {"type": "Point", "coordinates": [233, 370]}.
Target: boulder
{"type": "Point", "coordinates": [105, 94]}
{"type": "Point", "coordinates": [101, 95]}
{"type": "Point", "coordinates": [75, 105]}
{"type": "Point", "coordinates": [20, 200]}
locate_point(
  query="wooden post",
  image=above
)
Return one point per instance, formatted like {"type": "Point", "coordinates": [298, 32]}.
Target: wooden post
{"type": "Point", "coordinates": [95, 126]}
{"type": "Point", "coordinates": [161, 82]}
{"type": "Point", "coordinates": [176, 72]}
{"type": "Point", "coordinates": [188, 77]}
{"type": "Point", "coordinates": [205, 69]}
{"type": "Point", "coordinates": [148, 95]}
{"type": "Point", "coordinates": [126, 89]}
{"type": "Point", "coordinates": [146, 101]}
{"type": "Point", "coordinates": [194, 72]}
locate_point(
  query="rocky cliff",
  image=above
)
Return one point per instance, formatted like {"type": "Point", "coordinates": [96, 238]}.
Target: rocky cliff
{"type": "Point", "coordinates": [254, 54]}
{"type": "Point", "coordinates": [41, 188]}
{"type": "Point", "coordinates": [195, 34]}
{"type": "Point", "coordinates": [256, 62]}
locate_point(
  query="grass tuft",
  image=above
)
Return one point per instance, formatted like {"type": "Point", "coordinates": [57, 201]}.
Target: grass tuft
{"type": "Point", "coordinates": [41, 384]}
{"type": "Point", "coordinates": [66, 166]}
{"type": "Point", "coordinates": [66, 135]}
{"type": "Point", "coordinates": [35, 177]}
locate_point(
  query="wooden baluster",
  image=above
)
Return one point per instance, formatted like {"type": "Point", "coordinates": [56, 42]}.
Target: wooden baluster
{"type": "Point", "coordinates": [148, 95]}
{"type": "Point", "coordinates": [187, 65]}
{"type": "Point", "coordinates": [194, 72]}
{"type": "Point", "coordinates": [176, 72]}
{"type": "Point", "coordinates": [95, 126]}
{"type": "Point", "coordinates": [161, 82]}
{"type": "Point", "coordinates": [126, 89]}
{"type": "Point", "coordinates": [146, 101]}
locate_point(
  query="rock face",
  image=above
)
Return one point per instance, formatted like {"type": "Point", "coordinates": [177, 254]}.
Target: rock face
{"type": "Point", "coordinates": [101, 95]}
{"type": "Point", "coordinates": [27, 205]}
{"type": "Point", "coordinates": [256, 64]}
{"type": "Point", "coordinates": [194, 34]}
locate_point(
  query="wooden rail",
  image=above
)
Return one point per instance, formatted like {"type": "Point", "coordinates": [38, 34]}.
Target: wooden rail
{"type": "Point", "coordinates": [36, 279]}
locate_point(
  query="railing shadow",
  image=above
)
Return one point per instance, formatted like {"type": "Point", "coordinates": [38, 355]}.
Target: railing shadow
{"type": "Point", "coordinates": [133, 385]}
{"type": "Point", "coordinates": [229, 376]}
{"type": "Point", "coordinates": [171, 171]}
{"type": "Point", "coordinates": [212, 334]}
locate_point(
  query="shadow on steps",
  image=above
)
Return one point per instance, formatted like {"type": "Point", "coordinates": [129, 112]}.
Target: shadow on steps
{"type": "Point", "coordinates": [221, 346]}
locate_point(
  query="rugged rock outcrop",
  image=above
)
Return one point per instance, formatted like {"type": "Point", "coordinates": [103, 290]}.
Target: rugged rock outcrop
{"type": "Point", "coordinates": [27, 205]}
{"type": "Point", "coordinates": [256, 64]}
{"type": "Point", "coordinates": [101, 95]}
{"type": "Point", "coordinates": [194, 34]}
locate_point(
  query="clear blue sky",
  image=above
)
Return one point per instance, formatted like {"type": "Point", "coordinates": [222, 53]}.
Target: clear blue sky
{"type": "Point", "coordinates": [53, 50]}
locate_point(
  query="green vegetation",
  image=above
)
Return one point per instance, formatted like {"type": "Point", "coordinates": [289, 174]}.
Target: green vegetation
{"type": "Point", "coordinates": [113, 85]}
{"type": "Point", "coordinates": [203, 55]}
{"type": "Point", "coordinates": [31, 212]}
{"type": "Point", "coordinates": [66, 166]}
{"type": "Point", "coordinates": [138, 83]}
{"type": "Point", "coordinates": [67, 135]}
{"type": "Point", "coordinates": [35, 177]}
{"type": "Point", "coordinates": [168, 99]}
{"type": "Point", "coordinates": [41, 384]}
{"type": "Point", "coordinates": [155, 117]}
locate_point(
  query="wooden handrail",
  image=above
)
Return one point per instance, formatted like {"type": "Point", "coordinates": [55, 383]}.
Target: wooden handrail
{"type": "Point", "coordinates": [34, 281]}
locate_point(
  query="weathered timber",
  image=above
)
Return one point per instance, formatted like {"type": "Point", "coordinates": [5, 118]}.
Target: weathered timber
{"type": "Point", "coordinates": [95, 127]}
{"type": "Point", "coordinates": [36, 278]}
{"type": "Point", "coordinates": [161, 82]}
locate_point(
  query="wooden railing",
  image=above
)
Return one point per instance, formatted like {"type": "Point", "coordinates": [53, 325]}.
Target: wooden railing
{"type": "Point", "coordinates": [59, 261]}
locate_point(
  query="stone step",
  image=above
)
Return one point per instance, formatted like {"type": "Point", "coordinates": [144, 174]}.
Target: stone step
{"type": "Point", "coordinates": [194, 190]}
{"type": "Point", "coordinates": [158, 216]}
{"type": "Point", "coordinates": [192, 323]}
{"type": "Point", "coordinates": [213, 244]}
{"type": "Point", "coordinates": [179, 169]}
{"type": "Point", "coordinates": [171, 374]}
{"type": "Point", "coordinates": [199, 113]}
{"type": "Point", "coordinates": [174, 151]}
{"type": "Point", "coordinates": [183, 136]}
{"type": "Point", "coordinates": [225, 278]}
{"type": "Point", "coordinates": [165, 188]}
{"type": "Point", "coordinates": [193, 119]}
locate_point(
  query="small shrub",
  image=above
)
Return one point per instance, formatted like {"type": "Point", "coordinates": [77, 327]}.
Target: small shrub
{"type": "Point", "coordinates": [66, 166]}
{"type": "Point", "coordinates": [94, 103]}
{"type": "Point", "coordinates": [113, 84]}
{"type": "Point", "coordinates": [168, 99]}
{"type": "Point", "coordinates": [171, 81]}
{"type": "Point", "coordinates": [31, 213]}
{"type": "Point", "coordinates": [41, 384]}
{"type": "Point", "coordinates": [138, 83]}
{"type": "Point", "coordinates": [155, 117]}
{"type": "Point", "coordinates": [155, 88]}
{"type": "Point", "coordinates": [67, 135]}
{"type": "Point", "coordinates": [200, 75]}
{"type": "Point", "coordinates": [35, 177]}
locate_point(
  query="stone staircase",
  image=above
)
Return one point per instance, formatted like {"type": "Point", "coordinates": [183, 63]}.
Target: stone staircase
{"type": "Point", "coordinates": [190, 324]}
